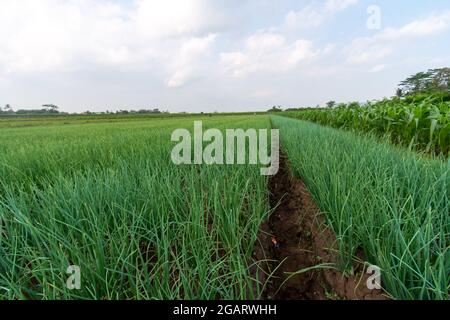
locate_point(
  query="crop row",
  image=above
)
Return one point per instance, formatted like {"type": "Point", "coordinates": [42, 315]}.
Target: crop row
{"type": "Point", "coordinates": [388, 203]}
{"type": "Point", "coordinates": [420, 125]}
{"type": "Point", "coordinates": [108, 199]}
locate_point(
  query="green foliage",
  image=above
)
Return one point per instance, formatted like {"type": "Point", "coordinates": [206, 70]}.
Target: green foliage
{"type": "Point", "coordinates": [331, 104]}
{"type": "Point", "coordinates": [275, 109]}
{"type": "Point", "coordinates": [52, 108]}
{"type": "Point", "coordinates": [108, 198]}
{"type": "Point", "coordinates": [61, 119]}
{"type": "Point", "coordinates": [101, 192]}
{"type": "Point", "coordinates": [390, 203]}
{"type": "Point", "coordinates": [433, 80]}
{"type": "Point", "coordinates": [420, 122]}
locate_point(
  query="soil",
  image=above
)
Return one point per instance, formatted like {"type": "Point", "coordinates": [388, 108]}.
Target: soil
{"type": "Point", "coordinates": [294, 238]}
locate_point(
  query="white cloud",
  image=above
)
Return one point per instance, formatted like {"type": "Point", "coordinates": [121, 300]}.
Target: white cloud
{"type": "Point", "coordinates": [378, 68]}
{"type": "Point", "coordinates": [314, 14]}
{"type": "Point", "coordinates": [50, 34]}
{"type": "Point", "coordinates": [365, 50]}
{"type": "Point", "coordinates": [190, 59]}
{"type": "Point", "coordinates": [338, 5]}
{"type": "Point", "coordinates": [267, 52]}
{"type": "Point", "coordinates": [58, 35]}
{"type": "Point", "coordinates": [418, 28]}
{"type": "Point", "coordinates": [375, 48]}
{"type": "Point", "coordinates": [310, 16]}
{"type": "Point", "coordinates": [156, 18]}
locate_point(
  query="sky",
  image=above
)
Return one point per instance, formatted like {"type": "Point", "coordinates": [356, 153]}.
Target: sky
{"type": "Point", "coordinates": [218, 55]}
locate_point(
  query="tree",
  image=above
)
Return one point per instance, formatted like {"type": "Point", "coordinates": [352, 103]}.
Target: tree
{"type": "Point", "coordinates": [8, 108]}
{"type": "Point", "coordinates": [276, 109]}
{"type": "Point", "coordinates": [441, 79]}
{"type": "Point", "coordinates": [331, 104]}
{"type": "Point", "coordinates": [431, 81]}
{"type": "Point", "coordinates": [51, 108]}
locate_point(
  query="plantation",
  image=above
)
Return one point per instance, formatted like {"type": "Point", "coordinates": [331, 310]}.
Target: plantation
{"type": "Point", "coordinates": [105, 196]}
{"type": "Point", "coordinates": [108, 199]}
{"type": "Point", "coordinates": [422, 125]}
{"type": "Point", "coordinates": [383, 200]}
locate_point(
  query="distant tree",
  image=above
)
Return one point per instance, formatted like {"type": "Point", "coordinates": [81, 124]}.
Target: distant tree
{"type": "Point", "coordinates": [440, 79]}
{"type": "Point", "coordinates": [431, 81]}
{"type": "Point", "coordinates": [331, 104]}
{"type": "Point", "coordinates": [51, 108]}
{"type": "Point", "coordinates": [275, 109]}
{"type": "Point", "coordinates": [354, 104]}
{"type": "Point", "coordinates": [8, 108]}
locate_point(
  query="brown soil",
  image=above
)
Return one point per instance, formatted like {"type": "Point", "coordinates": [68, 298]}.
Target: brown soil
{"type": "Point", "coordinates": [294, 238]}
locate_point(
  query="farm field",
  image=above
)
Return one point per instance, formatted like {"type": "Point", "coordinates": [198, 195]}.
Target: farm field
{"type": "Point", "coordinates": [107, 197]}
{"type": "Point", "coordinates": [18, 121]}
{"type": "Point", "coordinates": [391, 204]}
{"type": "Point", "coordinates": [420, 123]}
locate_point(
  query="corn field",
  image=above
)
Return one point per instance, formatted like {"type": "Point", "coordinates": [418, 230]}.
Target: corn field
{"type": "Point", "coordinates": [420, 125]}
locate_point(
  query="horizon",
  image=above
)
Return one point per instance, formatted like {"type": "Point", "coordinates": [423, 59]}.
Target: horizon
{"type": "Point", "coordinates": [224, 56]}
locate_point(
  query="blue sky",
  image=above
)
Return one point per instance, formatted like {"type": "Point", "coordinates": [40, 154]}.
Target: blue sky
{"type": "Point", "coordinates": [222, 55]}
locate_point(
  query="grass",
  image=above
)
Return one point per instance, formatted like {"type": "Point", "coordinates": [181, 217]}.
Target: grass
{"type": "Point", "coordinates": [107, 198]}
{"type": "Point", "coordinates": [19, 121]}
{"type": "Point", "coordinates": [392, 204]}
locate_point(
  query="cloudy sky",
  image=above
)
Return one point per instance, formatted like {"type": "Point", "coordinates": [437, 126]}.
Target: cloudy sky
{"type": "Point", "coordinates": [224, 55]}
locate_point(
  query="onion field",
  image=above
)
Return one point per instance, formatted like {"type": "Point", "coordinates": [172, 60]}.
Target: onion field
{"type": "Point", "coordinates": [108, 199]}
{"type": "Point", "coordinates": [391, 204]}
{"type": "Point", "coordinates": [103, 194]}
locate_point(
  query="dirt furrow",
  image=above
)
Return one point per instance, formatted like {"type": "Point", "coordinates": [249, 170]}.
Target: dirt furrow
{"type": "Point", "coordinates": [300, 249]}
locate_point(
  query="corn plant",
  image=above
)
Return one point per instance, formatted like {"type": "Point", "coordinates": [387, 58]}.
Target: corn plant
{"type": "Point", "coordinates": [420, 125]}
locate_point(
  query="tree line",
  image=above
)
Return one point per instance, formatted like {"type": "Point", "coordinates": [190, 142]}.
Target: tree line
{"type": "Point", "coordinates": [429, 82]}
{"type": "Point", "coordinates": [52, 109]}
{"type": "Point", "coordinates": [434, 82]}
